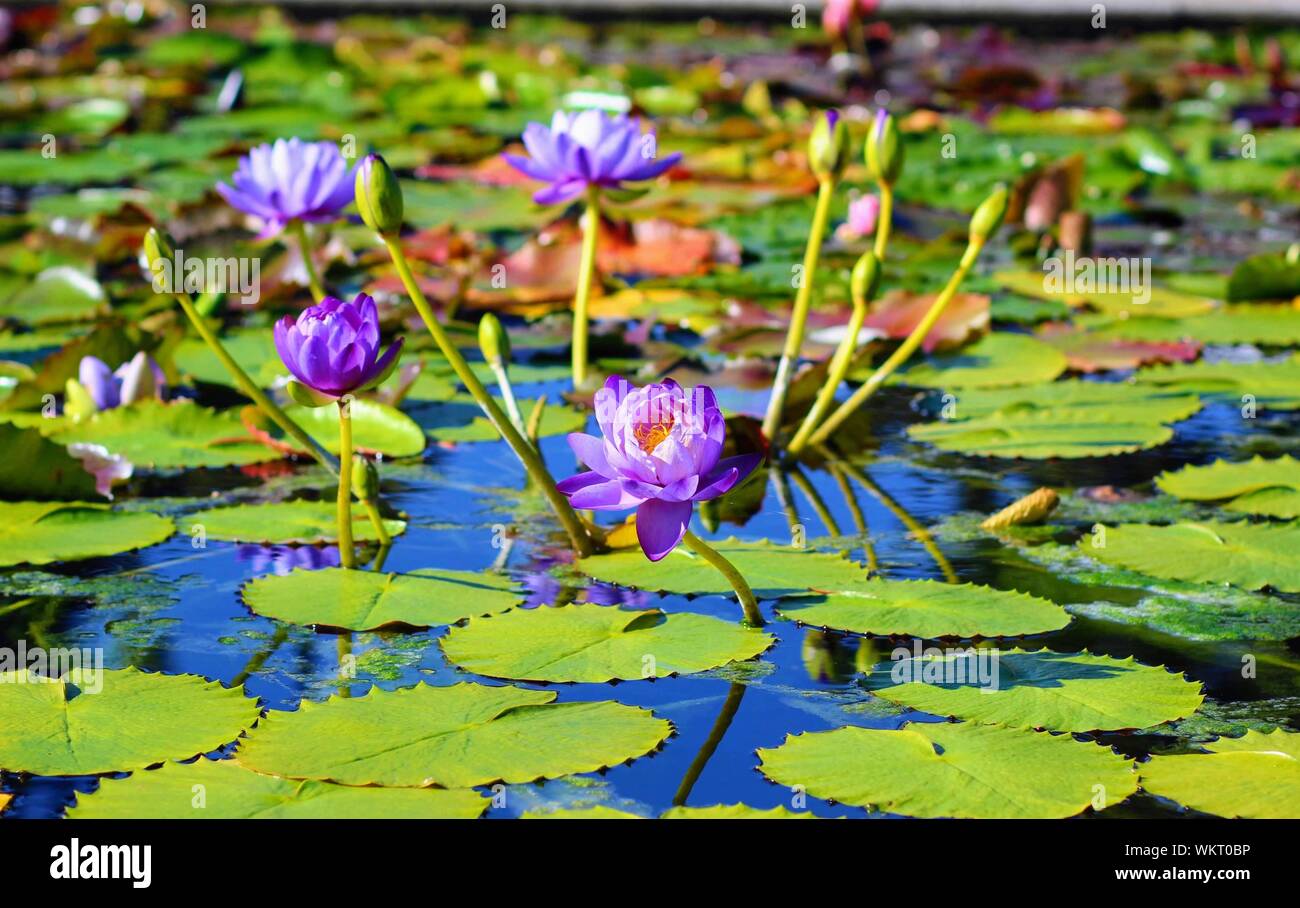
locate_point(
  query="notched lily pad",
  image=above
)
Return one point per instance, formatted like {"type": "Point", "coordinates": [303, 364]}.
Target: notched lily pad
{"type": "Point", "coordinates": [38, 532]}
{"type": "Point", "coordinates": [994, 361]}
{"type": "Point", "coordinates": [286, 522]}
{"type": "Point", "coordinates": [1267, 487]}
{"type": "Point", "coordinates": [1251, 556]}
{"type": "Point", "coordinates": [1256, 776]}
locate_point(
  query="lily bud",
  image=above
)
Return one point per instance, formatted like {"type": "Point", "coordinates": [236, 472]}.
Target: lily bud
{"type": "Point", "coordinates": [885, 150]}
{"type": "Point", "coordinates": [157, 246]}
{"type": "Point", "coordinates": [379, 197]}
{"type": "Point", "coordinates": [138, 380]}
{"type": "Point", "coordinates": [827, 146]}
{"type": "Point", "coordinates": [493, 340]}
{"type": "Point", "coordinates": [865, 280]}
{"type": "Point", "coordinates": [988, 217]}
{"type": "Point", "coordinates": [77, 401]}
{"type": "Point", "coordinates": [365, 478]}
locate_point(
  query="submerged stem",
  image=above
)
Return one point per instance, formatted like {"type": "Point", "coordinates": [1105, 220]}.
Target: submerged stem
{"type": "Point", "coordinates": [347, 553]}
{"type": "Point", "coordinates": [586, 271]}
{"type": "Point", "coordinates": [753, 617]}
{"type": "Point", "coordinates": [377, 520]}
{"type": "Point", "coordinates": [799, 315]}
{"type": "Point", "coordinates": [304, 249]}
{"type": "Point", "coordinates": [522, 449]}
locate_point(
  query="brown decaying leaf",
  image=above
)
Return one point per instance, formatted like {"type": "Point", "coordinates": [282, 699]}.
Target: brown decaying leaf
{"type": "Point", "coordinates": [1085, 353]}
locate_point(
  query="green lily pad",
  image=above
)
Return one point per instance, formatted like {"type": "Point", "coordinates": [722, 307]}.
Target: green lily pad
{"type": "Point", "coordinates": [928, 609]}
{"type": "Point", "coordinates": [1040, 435]}
{"type": "Point", "coordinates": [224, 790]}
{"type": "Point", "coordinates": [174, 435]}
{"type": "Point", "coordinates": [1256, 776]}
{"type": "Point", "coordinates": [733, 812]}
{"type": "Point", "coordinates": [598, 643]}
{"type": "Point", "coordinates": [454, 737]}
{"type": "Point", "coordinates": [1273, 385]}
{"type": "Point", "coordinates": [58, 294]}
{"type": "Point", "coordinates": [375, 427]}
{"type": "Point", "coordinates": [772, 570]}
{"type": "Point", "coordinates": [1251, 556]}
{"type": "Point", "coordinates": [556, 420]}
{"type": "Point", "coordinates": [365, 600]}
{"type": "Point", "coordinates": [598, 812]}
{"type": "Point", "coordinates": [1121, 401]}
{"type": "Point", "coordinates": [109, 720]}
{"type": "Point", "coordinates": [1041, 689]}
{"type": "Point", "coordinates": [1257, 486]}
{"type": "Point", "coordinates": [35, 466]}
{"type": "Point", "coordinates": [994, 361]}
{"type": "Point", "coordinates": [949, 769]}
{"type": "Point", "coordinates": [1255, 323]}
{"type": "Point", "coordinates": [34, 532]}
{"type": "Point", "coordinates": [252, 349]}
{"type": "Point", "coordinates": [1163, 302]}
{"type": "Point", "coordinates": [300, 522]}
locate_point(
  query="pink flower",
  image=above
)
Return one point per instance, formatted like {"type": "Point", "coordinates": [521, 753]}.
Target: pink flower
{"type": "Point", "coordinates": [863, 212]}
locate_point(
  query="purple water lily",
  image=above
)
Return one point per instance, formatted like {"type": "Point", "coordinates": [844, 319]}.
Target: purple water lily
{"type": "Point", "coordinates": [333, 347]}
{"type": "Point", "coordinates": [588, 148]}
{"type": "Point", "coordinates": [659, 454]}
{"type": "Point", "coordinates": [291, 180]}
{"type": "Point", "coordinates": [137, 378]}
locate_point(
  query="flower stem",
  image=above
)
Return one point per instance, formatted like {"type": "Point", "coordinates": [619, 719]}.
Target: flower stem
{"type": "Point", "coordinates": [753, 617]}
{"type": "Point", "coordinates": [304, 249]}
{"type": "Point", "coordinates": [905, 349]}
{"type": "Point", "coordinates": [884, 219]}
{"type": "Point", "coordinates": [586, 271]}
{"type": "Point", "coordinates": [523, 450]}
{"type": "Point", "coordinates": [799, 315]}
{"type": "Point", "coordinates": [347, 553]}
{"type": "Point", "coordinates": [377, 520]}
{"type": "Point", "coordinates": [508, 396]}
{"type": "Point", "coordinates": [250, 388]}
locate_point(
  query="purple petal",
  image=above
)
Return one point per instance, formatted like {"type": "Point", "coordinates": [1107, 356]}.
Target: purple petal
{"type": "Point", "coordinates": [560, 192]}
{"type": "Point", "coordinates": [591, 451]}
{"type": "Point", "coordinates": [605, 496]}
{"type": "Point", "coordinates": [660, 525]}
{"type": "Point", "coordinates": [578, 481]}
{"type": "Point", "coordinates": [98, 379]}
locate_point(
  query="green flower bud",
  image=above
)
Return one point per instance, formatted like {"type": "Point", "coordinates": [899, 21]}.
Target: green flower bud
{"type": "Point", "coordinates": [365, 478]}
{"type": "Point", "coordinates": [158, 247]}
{"type": "Point", "coordinates": [865, 280]}
{"type": "Point", "coordinates": [988, 217]}
{"type": "Point", "coordinates": [827, 146]}
{"type": "Point", "coordinates": [493, 340]}
{"type": "Point", "coordinates": [885, 150]}
{"type": "Point", "coordinates": [77, 402]}
{"type": "Point", "coordinates": [379, 197]}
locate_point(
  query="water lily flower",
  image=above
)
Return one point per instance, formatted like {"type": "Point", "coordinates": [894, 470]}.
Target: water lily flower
{"type": "Point", "coordinates": [837, 15]}
{"type": "Point", "coordinates": [289, 181]}
{"type": "Point", "coordinates": [659, 454]}
{"type": "Point", "coordinates": [863, 214]}
{"type": "Point", "coordinates": [138, 378]}
{"type": "Point", "coordinates": [588, 149]}
{"type": "Point", "coordinates": [333, 347]}
{"type": "Point", "coordinates": [107, 468]}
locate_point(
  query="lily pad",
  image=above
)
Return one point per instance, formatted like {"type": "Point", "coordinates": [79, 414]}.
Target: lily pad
{"type": "Point", "coordinates": [174, 435]}
{"type": "Point", "coordinates": [598, 812]}
{"type": "Point", "coordinates": [1257, 486]}
{"type": "Point", "coordinates": [454, 737]}
{"type": "Point", "coordinates": [928, 609]}
{"type": "Point", "coordinates": [109, 720]}
{"type": "Point", "coordinates": [949, 769]}
{"type": "Point", "coordinates": [224, 790]}
{"type": "Point", "coordinates": [1122, 401]}
{"type": "Point", "coordinates": [733, 812]}
{"type": "Point", "coordinates": [375, 427]}
{"type": "Point", "coordinates": [772, 570]}
{"type": "Point", "coordinates": [301, 522]}
{"type": "Point", "coordinates": [366, 600]}
{"type": "Point", "coordinates": [1251, 556]}
{"type": "Point", "coordinates": [33, 532]}
{"type": "Point", "coordinates": [596, 643]}
{"type": "Point", "coordinates": [1273, 385]}
{"type": "Point", "coordinates": [253, 350]}
{"type": "Point", "coordinates": [37, 467]}
{"type": "Point", "coordinates": [1058, 691]}
{"type": "Point", "coordinates": [1162, 302]}
{"type": "Point", "coordinates": [58, 294]}
{"type": "Point", "coordinates": [1040, 435]}
{"type": "Point", "coordinates": [994, 361]}
{"type": "Point", "coordinates": [556, 420]}
{"type": "Point", "coordinates": [1256, 776]}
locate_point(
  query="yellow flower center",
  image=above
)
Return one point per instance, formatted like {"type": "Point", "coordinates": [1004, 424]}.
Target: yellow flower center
{"type": "Point", "coordinates": [650, 435]}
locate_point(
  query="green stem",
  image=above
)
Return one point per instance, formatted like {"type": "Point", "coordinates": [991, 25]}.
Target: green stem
{"type": "Point", "coordinates": [523, 450]}
{"type": "Point", "coordinates": [730, 706]}
{"type": "Point", "coordinates": [508, 395]}
{"type": "Point", "coordinates": [251, 390]}
{"type": "Point", "coordinates": [905, 349]}
{"type": "Point", "coordinates": [753, 617]}
{"type": "Point", "coordinates": [304, 249]}
{"type": "Point", "coordinates": [799, 315]}
{"type": "Point", "coordinates": [377, 520]}
{"type": "Point", "coordinates": [884, 220]}
{"type": "Point", "coordinates": [347, 553]}
{"type": "Point", "coordinates": [586, 271]}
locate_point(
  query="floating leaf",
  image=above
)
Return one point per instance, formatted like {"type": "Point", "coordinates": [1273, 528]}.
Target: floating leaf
{"type": "Point", "coordinates": [772, 570]}
{"type": "Point", "coordinates": [1266, 276]}
{"type": "Point", "coordinates": [375, 427]}
{"type": "Point", "coordinates": [1087, 351]}
{"type": "Point", "coordinates": [41, 532]}
{"type": "Point", "coordinates": [1122, 401]}
{"type": "Point", "coordinates": [996, 360]}
{"type": "Point", "coordinates": [1038, 435]}
{"type": "Point", "coordinates": [1058, 691]}
{"type": "Point", "coordinates": [110, 720]}
{"type": "Point", "coordinates": [1257, 486]}
{"type": "Point", "coordinates": [1246, 324]}
{"type": "Point", "coordinates": [455, 737]}
{"type": "Point", "coordinates": [34, 466]}
{"type": "Point", "coordinates": [1256, 776]}
{"type": "Point", "coordinates": [301, 522]}
{"type": "Point", "coordinates": [1251, 556]}
{"type": "Point", "coordinates": [252, 349]}
{"type": "Point", "coordinates": [1269, 384]}
{"type": "Point", "coordinates": [598, 812]}
{"type": "Point", "coordinates": [59, 294]}
{"type": "Point", "coordinates": [927, 770]}
{"type": "Point", "coordinates": [598, 643]}
{"type": "Point", "coordinates": [1163, 302]}
{"type": "Point", "coordinates": [365, 600]}
{"type": "Point", "coordinates": [929, 609]}
{"type": "Point", "coordinates": [175, 435]}
{"type": "Point", "coordinates": [231, 792]}
{"type": "Point", "coordinates": [733, 812]}
{"type": "Point", "coordinates": [556, 420]}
